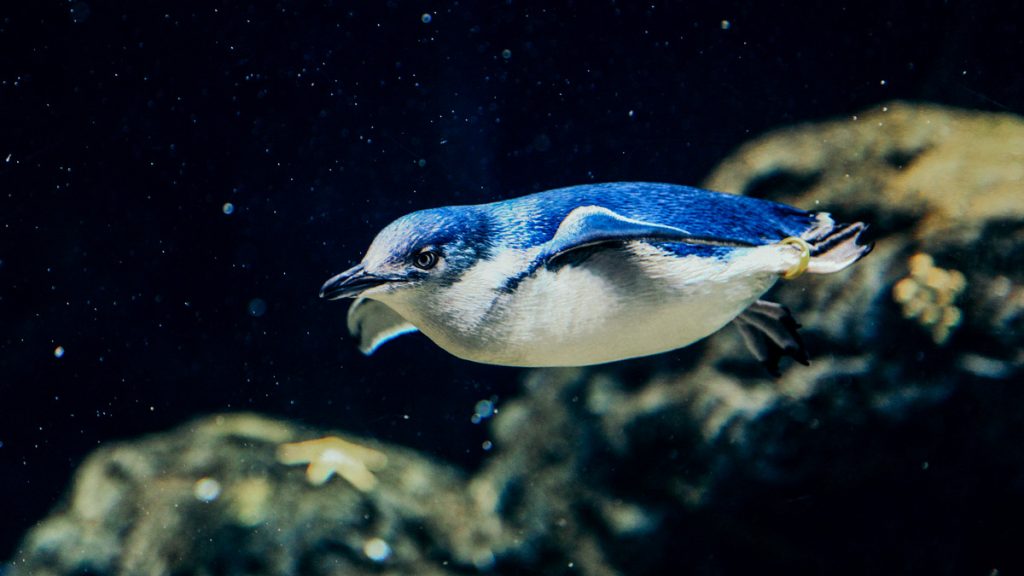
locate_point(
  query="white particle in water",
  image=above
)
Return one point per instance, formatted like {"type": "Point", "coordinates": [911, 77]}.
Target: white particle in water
{"type": "Point", "coordinates": [487, 445]}
{"type": "Point", "coordinates": [882, 82]}
{"type": "Point", "coordinates": [377, 549]}
{"type": "Point", "coordinates": [726, 24]}
{"type": "Point", "coordinates": [506, 53]}
{"type": "Point", "coordinates": [58, 352]}
{"type": "Point", "coordinates": [426, 18]}
{"type": "Point", "coordinates": [228, 208]}
{"type": "Point", "coordinates": [206, 489]}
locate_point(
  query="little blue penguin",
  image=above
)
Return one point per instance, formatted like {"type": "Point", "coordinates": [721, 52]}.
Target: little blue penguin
{"type": "Point", "coordinates": [592, 274]}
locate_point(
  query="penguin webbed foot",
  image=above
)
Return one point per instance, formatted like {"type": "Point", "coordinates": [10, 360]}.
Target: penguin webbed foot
{"type": "Point", "coordinates": [770, 332]}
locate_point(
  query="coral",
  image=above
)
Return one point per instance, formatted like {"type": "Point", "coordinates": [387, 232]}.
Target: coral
{"type": "Point", "coordinates": [928, 294]}
{"type": "Point", "coordinates": [332, 455]}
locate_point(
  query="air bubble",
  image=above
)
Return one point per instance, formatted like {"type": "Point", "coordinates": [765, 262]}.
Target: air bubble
{"type": "Point", "coordinates": [377, 549]}
{"type": "Point", "coordinates": [206, 489]}
{"type": "Point", "coordinates": [257, 307]}
{"type": "Point", "coordinates": [484, 409]}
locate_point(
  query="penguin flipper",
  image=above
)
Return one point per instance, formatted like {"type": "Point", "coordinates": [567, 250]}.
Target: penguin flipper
{"type": "Point", "coordinates": [592, 225]}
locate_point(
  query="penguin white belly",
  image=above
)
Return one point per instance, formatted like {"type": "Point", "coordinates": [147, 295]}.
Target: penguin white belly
{"type": "Point", "coordinates": [622, 304]}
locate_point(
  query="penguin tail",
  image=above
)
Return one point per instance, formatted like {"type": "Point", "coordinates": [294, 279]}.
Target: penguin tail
{"type": "Point", "coordinates": [833, 246]}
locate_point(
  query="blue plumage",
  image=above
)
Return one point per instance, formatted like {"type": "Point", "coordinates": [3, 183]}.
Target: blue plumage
{"type": "Point", "coordinates": [533, 219]}
{"type": "Point", "coordinates": [591, 274]}
{"type": "Point", "coordinates": [528, 221]}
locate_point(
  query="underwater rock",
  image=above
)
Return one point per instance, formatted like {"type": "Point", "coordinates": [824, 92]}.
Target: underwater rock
{"type": "Point", "coordinates": [211, 498]}
{"type": "Point", "coordinates": [941, 173]}
{"type": "Point", "coordinates": [944, 183]}
{"type": "Point", "coordinates": [871, 460]}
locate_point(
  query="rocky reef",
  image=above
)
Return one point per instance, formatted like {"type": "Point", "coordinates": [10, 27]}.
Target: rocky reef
{"type": "Point", "coordinates": [217, 496]}
{"type": "Point", "coordinates": [896, 451]}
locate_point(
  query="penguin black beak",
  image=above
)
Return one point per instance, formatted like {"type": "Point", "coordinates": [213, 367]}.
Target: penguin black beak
{"type": "Point", "coordinates": [350, 283]}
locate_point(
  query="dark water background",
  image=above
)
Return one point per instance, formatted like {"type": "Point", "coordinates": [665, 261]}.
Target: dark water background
{"type": "Point", "coordinates": [125, 128]}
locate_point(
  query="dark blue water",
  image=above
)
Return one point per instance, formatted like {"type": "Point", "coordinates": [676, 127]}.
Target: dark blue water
{"type": "Point", "coordinates": [178, 179]}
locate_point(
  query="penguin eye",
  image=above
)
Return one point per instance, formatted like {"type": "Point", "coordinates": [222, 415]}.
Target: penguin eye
{"type": "Point", "coordinates": [425, 260]}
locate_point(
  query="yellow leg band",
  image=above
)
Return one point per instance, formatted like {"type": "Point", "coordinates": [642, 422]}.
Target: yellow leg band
{"type": "Point", "coordinates": [805, 257]}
